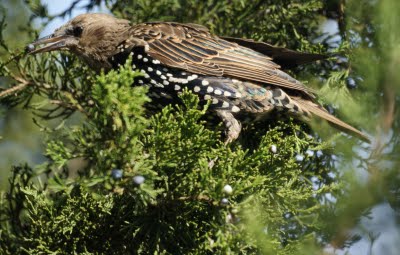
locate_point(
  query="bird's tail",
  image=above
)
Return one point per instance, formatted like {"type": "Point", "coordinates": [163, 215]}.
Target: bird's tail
{"type": "Point", "coordinates": [315, 109]}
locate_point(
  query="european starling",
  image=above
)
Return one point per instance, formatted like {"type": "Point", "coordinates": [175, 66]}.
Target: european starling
{"type": "Point", "coordinates": [241, 78]}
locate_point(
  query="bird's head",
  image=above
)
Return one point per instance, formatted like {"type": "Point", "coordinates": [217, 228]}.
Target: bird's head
{"type": "Point", "coordinates": [93, 37]}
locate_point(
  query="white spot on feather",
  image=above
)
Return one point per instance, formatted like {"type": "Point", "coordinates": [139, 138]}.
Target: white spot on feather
{"type": "Point", "coordinates": [178, 80]}
{"type": "Point", "coordinates": [235, 109]}
{"type": "Point", "coordinates": [227, 93]}
{"type": "Point", "coordinates": [192, 77]}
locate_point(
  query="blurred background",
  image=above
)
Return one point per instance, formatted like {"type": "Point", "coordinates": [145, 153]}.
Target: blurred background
{"type": "Point", "coordinates": [22, 140]}
{"type": "Point", "coordinates": [366, 31]}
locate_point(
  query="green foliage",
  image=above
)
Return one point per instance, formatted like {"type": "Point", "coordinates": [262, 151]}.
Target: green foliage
{"type": "Point", "coordinates": [178, 208]}
{"type": "Point", "coordinates": [118, 181]}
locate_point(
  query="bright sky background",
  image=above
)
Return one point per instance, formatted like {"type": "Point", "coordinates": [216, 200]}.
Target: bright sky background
{"type": "Point", "coordinates": [383, 220]}
{"type": "Point", "coordinates": [55, 7]}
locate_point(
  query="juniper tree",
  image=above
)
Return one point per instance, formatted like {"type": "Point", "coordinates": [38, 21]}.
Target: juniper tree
{"type": "Point", "coordinates": [118, 180]}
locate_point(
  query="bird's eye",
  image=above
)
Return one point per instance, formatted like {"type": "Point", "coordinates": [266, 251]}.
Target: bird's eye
{"type": "Point", "coordinates": [77, 31]}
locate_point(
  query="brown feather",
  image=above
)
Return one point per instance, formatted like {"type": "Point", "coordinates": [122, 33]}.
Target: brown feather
{"type": "Point", "coordinates": [212, 55]}
{"type": "Point", "coordinates": [323, 113]}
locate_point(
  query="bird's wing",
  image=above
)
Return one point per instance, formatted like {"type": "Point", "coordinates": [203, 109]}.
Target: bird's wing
{"type": "Point", "coordinates": [286, 58]}
{"type": "Point", "coordinates": [192, 48]}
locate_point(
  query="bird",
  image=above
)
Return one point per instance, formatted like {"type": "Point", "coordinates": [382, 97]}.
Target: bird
{"type": "Point", "coordinates": [240, 78]}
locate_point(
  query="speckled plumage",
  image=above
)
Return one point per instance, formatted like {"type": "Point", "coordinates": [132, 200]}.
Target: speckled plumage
{"type": "Point", "coordinates": [227, 71]}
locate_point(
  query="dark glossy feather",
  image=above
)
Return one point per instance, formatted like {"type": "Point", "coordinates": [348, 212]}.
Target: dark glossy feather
{"type": "Point", "coordinates": [284, 57]}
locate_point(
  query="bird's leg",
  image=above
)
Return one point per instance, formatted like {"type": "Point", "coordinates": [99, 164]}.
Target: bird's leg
{"type": "Point", "coordinates": [232, 129]}
{"type": "Point", "coordinates": [232, 125]}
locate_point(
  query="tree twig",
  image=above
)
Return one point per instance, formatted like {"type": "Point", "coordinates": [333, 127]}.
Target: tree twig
{"type": "Point", "coordinates": [13, 90]}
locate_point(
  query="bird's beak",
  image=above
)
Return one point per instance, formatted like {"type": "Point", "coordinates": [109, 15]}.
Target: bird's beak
{"type": "Point", "coordinates": [53, 42]}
